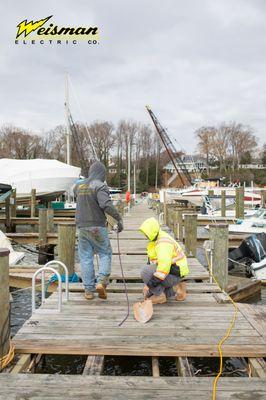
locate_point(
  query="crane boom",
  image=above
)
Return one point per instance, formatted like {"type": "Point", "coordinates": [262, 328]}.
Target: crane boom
{"type": "Point", "coordinates": [171, 150]}
{"type": "Point", "coordinates": [78, 146]}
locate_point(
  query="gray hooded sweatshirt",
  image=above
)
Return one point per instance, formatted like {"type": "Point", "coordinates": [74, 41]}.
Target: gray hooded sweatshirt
{"type": "Point", "coordinates": [93, 199]}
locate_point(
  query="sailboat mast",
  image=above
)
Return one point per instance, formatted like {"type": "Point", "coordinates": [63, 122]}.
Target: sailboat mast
{"type": "Point", "coordinates": [68, 149]}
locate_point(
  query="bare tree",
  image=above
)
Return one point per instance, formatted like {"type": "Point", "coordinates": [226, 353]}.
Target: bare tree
{"type": "Point", "coordinates": [205, 136]}
{"type": "Point", "coordinates": [19, 143]}
{"type": "Point", "coordinates": [103, 139]}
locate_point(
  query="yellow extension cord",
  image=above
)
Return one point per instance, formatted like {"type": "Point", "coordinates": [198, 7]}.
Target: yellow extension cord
{"type": "Point", "coordinates": [4, 361]}
{"type": "Point", "coordinates": [227, 335]}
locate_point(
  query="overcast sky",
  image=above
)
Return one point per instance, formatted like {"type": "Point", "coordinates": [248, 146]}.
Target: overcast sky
{"type": "Point", "coordinates": [195, 62]}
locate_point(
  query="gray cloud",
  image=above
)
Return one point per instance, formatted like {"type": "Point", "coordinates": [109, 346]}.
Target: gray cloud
{"type": "Point", "coordinates": [195, 62]}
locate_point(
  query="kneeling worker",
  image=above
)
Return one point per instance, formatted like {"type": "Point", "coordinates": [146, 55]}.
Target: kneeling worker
{"type": "Point", "coordinates": [168, 266]}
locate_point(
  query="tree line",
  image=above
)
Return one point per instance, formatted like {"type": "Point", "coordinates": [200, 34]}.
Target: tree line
{"type": "Point", "coordinates": [228, 145]}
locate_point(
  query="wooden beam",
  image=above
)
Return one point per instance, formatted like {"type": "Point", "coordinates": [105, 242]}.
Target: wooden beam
{"type": "Point", "coordinates": [22, 364]}
{"type": "Point", "coordinates": [184, 368]}
{"type": "Point", "coordinates": [94, 365]}
{"type": "Point", "coordinates": [257, 367]}
{"type": "Point", "coordinates": [155, 367]}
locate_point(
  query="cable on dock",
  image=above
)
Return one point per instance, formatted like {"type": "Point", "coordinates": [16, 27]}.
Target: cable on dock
{"type": "Point", "coordinates": [227, 335]}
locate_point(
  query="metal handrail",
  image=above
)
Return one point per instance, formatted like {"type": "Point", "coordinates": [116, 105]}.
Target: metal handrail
{"type": "Point", "coordinates": [42, 270]}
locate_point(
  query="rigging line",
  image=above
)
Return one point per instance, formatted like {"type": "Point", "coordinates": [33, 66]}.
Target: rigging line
{"type": "Point", "coordinates": [83, 118]}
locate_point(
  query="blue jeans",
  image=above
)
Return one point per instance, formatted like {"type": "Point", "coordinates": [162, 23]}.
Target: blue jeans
{"type": "Point", "coordinates": [94, 240]}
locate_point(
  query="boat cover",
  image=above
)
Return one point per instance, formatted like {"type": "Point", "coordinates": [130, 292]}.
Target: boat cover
{"type": "Point", "coordinates": [43, 175]}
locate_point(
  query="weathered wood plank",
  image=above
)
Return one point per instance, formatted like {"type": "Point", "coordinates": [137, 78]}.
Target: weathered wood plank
{"type": "Point", "coordinates": [94, 365]}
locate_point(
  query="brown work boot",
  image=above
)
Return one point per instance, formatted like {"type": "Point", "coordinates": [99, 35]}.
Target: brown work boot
{"type": "Point", "coordinates": [88, 295]}
{"type": "Point", "coordinates": [181, 291]}
{"type": "Point", "coordinates": [158, 299]}
{"type": "Point", "coordinates": [101, 289]}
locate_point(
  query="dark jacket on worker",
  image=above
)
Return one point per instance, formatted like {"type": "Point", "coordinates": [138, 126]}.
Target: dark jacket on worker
{"type": "Point", "coordinates": [93, 199]}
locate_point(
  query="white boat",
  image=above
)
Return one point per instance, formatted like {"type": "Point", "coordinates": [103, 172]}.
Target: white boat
{"type": "Point", "coordinates": [45, 176]}
{"type": "Point", "coordinates": [252, 196]}
{"type": "Point", "coordinates": [254, 224]}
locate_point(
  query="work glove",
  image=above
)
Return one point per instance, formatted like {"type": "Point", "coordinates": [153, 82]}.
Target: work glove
{"type": "Point", "coordinates": [153, 282]}
{"type": "Point", "coordinates": [120, 226]}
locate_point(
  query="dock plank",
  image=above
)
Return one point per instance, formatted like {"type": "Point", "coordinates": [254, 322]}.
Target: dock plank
{"type": "Point", "coordinates": [42, 386]}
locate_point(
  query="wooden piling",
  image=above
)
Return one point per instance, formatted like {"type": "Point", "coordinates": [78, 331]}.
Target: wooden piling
{"type": "Point", "coordinates": [8, 215]}
{"type": "Point", "coordinates": [42, 246]}
{"type": "Point", "coordinates": [33, 203]}
{"type": "Point", "coordinates": [66, 245]}
{"type": "Point", "coordinates": [42, 226]}
{"type": "Point", "coordinates": [191, 234]}
{"type": "Point", "coordinates": [179, 226]}
{"type": "Point", "coordinates": [219, 236]}
{"type": "Point", "coordinates": [263, 198]}
{"type": "Point", "coordinates": [223, 203]}
{"type": "Point", "coordinates": [241, 202]}
{"type": "Point", "coordinates": [164, 208]}
{"type": "Point", "coordinates": [50, 220]}
{"type": "Point", "coordinates": [13, 203]}
{"type": "Point", "coordinates": [4, 302]}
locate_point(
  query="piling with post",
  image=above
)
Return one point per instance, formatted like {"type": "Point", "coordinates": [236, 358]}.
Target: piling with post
{"type": "Point", "coordinates": [66, 246]}
{"type": "Point", "coordinates": [191, 234]}
{"type": "Point", "coordinates": [223, 203]}
{"type": "Point", "coordinates": [219, 238]}
{"type": "Point", "coordinates": [4, 303]}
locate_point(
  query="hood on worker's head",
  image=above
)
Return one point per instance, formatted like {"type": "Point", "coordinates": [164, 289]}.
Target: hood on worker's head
{"type": "Point", "coordinates": [97, 171]}
{"type": "Point", "coordinates": [150, 228]}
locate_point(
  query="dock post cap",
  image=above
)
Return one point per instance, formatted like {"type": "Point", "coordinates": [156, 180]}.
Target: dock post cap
{"type": "Point", "coordinates": [4, 252]}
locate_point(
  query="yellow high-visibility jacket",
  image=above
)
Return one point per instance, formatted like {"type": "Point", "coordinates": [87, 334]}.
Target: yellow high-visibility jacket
{"type": "Point", "coordinates": [163, 250]}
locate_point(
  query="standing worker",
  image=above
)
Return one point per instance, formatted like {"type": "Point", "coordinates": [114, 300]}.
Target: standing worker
{"type": "Point", "coordinates": [93, 201]}
{"type": "Point", "coordinates": [168, 266]}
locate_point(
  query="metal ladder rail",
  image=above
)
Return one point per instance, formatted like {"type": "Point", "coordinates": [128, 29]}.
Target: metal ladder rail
{"type": "Point", "coordinates": [42, 271]}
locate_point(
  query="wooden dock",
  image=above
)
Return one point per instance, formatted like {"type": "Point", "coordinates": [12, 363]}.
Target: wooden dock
{"type": "Point", "coordinates": [192, 328]}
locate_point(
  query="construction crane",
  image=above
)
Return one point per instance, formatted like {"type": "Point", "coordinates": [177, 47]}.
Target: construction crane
{"type": "Point", "coordinates": [178, 164]}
